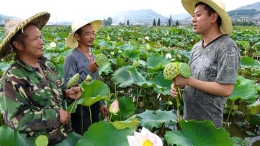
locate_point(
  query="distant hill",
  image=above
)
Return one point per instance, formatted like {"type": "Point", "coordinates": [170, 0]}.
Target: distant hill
{"type": "Point", "coordinates": [138, 15]}
{"type": "Point", "coordinates": [246, 11]}
{"type": "Point", "coordinates": [2, 18]}
{"type": "Point", "coordinates": [243, 13]}
{"type": "Point", "coordinates": [255, 6]}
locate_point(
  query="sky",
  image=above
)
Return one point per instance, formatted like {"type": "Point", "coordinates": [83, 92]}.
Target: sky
{"type": "Point", "coordinates": [70, 10]}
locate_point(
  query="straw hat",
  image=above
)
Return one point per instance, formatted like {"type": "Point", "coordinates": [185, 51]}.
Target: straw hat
{"type": "Point", "coordinates": [71, 40]}
{"type": "Point", "coordinates": [12, 26]}
{"type": "Point", "coordinates": [218, 6]}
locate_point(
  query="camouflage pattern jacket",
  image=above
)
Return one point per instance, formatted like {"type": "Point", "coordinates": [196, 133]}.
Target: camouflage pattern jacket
{"type": "Point", "coordinates": [30, 102]}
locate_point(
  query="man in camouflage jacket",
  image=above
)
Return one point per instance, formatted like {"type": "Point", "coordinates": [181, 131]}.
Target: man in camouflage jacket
{"type": "Point", "coordinates": [31, 91]}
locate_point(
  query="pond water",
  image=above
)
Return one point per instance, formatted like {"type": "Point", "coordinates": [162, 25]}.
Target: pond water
{"type": "Point", "coordinates": [236, 131]}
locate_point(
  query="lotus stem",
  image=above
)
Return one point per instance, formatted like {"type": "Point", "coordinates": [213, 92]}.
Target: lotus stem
{"type": "Point", "coordinates": [233, 103]}
{"type": "Point", "coordinates": [110, 117]}
{"type": "Point", "coordinates": [72, 106]}
{"type": "Point", "coordinates": [137, 98]}
{"type": "Point", "coordinates": [81, 113]}
{"type": "Point", "coordinates": [90, 115]}
{"type": "Point", "coordinates": [178, 104]}
{"type": "Point", "coordinates": [168, 103]}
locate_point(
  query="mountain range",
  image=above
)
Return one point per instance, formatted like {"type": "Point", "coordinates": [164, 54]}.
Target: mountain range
{"type": "Point", "coordinates": [150, 15]}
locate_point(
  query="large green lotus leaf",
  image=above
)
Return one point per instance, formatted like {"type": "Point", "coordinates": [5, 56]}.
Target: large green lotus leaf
{"type": "Point", "coordinates": [105, 134]}
{"type": "Point", "coordinates": [119, 61]}
{"type": "Point", "coordinates": [141, 81]}
{"type": "Point", "coordinates": [74, 105]}
{"type": "Point", "coordinates": [248, 62]}
{"type": "Point", "coordinates": [94, 91]}
{"type": "Point", "coordinates": [126, 108]}
{"type": "Point", "coordinates": [244, 91]}
{"type": "Point", "coordinates": [10, 137]}
{"type": "Point", "coordinates": [125, 124]}
{"type": "Point", "coordinates": [60, 69]}
{"type": "Point", "coordinates": [142, 63]}
{"type": "Point", "coordinates": [245, 82]}
{"type": "Point", "coordinates": [254, 108]}
{"type": "Point", "coordinates": [202, 133]}
{"type": "Point", "coordinates": [184, 53]}
{"type": "Point", "coordinates": [150, 118]}
{"type": "Point", "coordinates": [157, 61]}
{"type": "Point", "coordinates": [161, 81]}
{"type": "Point", "coordinates": [4, 66]}
{"type": "Point", "coordinates": [254, 119]}
{"type": "Point", "coordinates": [88, 101]}
{"type": "Point", "coordinates": [61, 46]}
{"type": "Point", "coordinates": [106, 68]}
{"type": "Point", "coordinates": [64, 53]}
{"type": "Point", "coordinates": [243, 44]}
{"type": "Point", "coordinates": [50, 55]}
{"type": "Point", "coordinates": [122, 77]}
{"type": "Point", "coordinates": [237, 141]}
{"type": "Point", "coordinates": [126, 47]}
{"type": "Point", "coordinates": [131, 54]}
{"type": "Point", "coordinates": [256, 46]}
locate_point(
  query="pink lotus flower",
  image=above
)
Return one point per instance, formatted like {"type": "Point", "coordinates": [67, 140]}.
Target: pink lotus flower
{"type": "Point", "coordinates": [145, 138]}
{"type": "Point", "coordinates": [114, 108]}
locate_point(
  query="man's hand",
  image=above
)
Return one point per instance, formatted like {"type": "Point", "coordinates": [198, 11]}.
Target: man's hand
{"type": "Point", "coordinates": [173, 91]}
{"type": "Point", "coordinates": [104, 110]}
{"type": "Point", "coordinates": [64, 117]}
{"type": "Point", "coordinates": [93, 67]}
{"type": "Point", "coordinates": [74, 92]}
{"type": "Point", "coordinates": [180, 81]}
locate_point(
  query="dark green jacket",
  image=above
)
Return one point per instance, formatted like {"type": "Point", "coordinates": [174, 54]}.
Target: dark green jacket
{"type": "Point", "coordinates": [30, 102]}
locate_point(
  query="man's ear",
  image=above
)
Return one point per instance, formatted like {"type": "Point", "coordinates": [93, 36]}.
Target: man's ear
{"type": "Point", "coordinates": [17, 45]}
{"type": "Point", "coordinates": [76, 35]}
{"type": "Point", "coordinates": [214, 17]}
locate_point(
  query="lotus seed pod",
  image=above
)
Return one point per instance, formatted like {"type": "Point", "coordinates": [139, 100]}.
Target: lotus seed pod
{"type": "Point", "coordinates": [73, 81]}
{"type": "Point", "coordinates": [185, 70]}
{"type": "Point", "coordinates": [171, 71]}
{"type": "Point", "coordinates": [41, 140]}
{"type": "Point", "coordinates": [88, 78]}
{"type": "Point", "coordinates": [101, 59]}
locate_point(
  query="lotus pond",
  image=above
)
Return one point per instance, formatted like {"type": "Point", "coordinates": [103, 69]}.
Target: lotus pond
{"type": "Point", "coordinates": [133, 75]}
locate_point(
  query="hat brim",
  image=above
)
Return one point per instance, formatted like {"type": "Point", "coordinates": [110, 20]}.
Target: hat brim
{"type": "Point", "coordinates": [39, 20]}
{"type": "Point", "coordinates": [226, 26]}
{"type": "Point", "coordinates": [72, 42]}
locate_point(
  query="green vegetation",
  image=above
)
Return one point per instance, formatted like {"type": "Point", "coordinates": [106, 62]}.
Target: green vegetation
{"type": "Point", "coordinates": [133, 75]}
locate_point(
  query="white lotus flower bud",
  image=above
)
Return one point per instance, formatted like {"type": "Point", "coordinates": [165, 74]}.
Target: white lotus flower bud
{"type": "Point", "coordinates": [168, 55]}
{"type": "Point", "coordinates": [147, 38]}
{"type": "Point", "coordinates": [53, 45]}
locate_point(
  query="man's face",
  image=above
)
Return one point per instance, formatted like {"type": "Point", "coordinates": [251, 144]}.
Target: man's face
{"type": "Point", "coordinates": [33, 43]}
{"type": "Point", "coordinates": [202, 22]}
{"type": "Point", "coordinates": [87, 35]}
